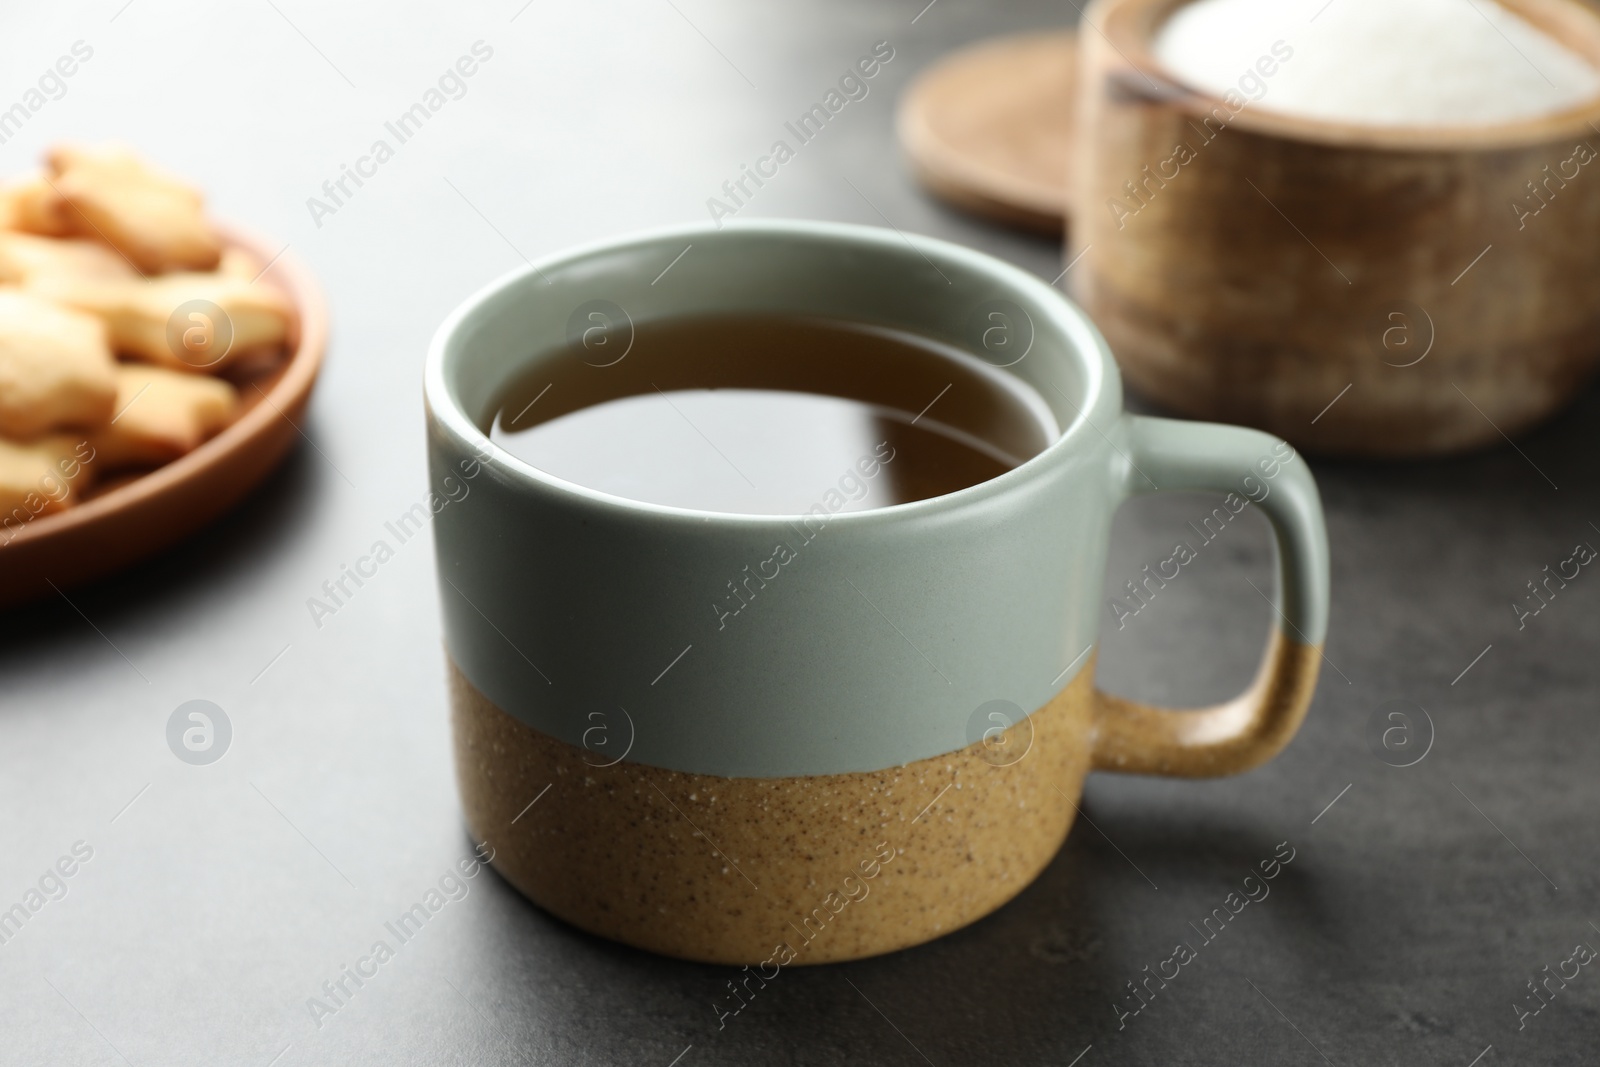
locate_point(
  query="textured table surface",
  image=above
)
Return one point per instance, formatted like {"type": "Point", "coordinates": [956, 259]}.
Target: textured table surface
{"type": "Point", "coordinates": [219, 898]}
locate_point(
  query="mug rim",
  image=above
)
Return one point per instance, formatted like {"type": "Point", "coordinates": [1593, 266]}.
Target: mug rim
{"type": "Point", "coordinates": [1084, 342]}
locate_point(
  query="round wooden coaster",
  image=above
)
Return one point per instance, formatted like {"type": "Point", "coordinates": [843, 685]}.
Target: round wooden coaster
{"type": "Point", "coordinates": [989, 128]}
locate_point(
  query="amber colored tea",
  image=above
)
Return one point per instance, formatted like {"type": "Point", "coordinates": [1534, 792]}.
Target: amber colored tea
{"type": "Point", "coordinates": [768, 415]}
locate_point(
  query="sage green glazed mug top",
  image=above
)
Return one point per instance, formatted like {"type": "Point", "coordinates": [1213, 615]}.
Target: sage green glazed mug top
{"type": "Point", "coordinates": [633, 752]}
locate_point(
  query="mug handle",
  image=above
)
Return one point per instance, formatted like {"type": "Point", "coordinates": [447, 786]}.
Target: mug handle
{"type": "Point", "coordinates": [1227, 738]}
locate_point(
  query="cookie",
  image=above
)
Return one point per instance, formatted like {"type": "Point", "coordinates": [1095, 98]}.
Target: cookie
{"type": "Point", "coordinates": [238, 263]}
{"type": "Point", "coordinates": [149, 216]}
{"type": "Point", "coordinates": [161, 415]}
{"type": "Point", "coordinates": [39, 477]}
{"type": "Point", "coordinates": [33, 206]}
{"type": "Point", "coordinates": [188, 322]}
{"type": "Point", "coordinates": [28, 259]}
{"type": "Point", "coordinates": [56, 368]}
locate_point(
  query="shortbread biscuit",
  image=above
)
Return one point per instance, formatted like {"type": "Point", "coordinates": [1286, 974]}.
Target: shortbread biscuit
{"type": "Point", "coordinates": [161, 415]}
{"type": "Point", "coordinates": [27, 259]}
{"type": "Point", "coordinates": [56, 368]}
{"type": "Point", "coordinates": [39, 477]}
{"type": "Point", "coordinates": [32, 205]}
{"type": "Point", "coordinates": [240, 263]}
{"type": "Point", "coordinates": [151, 217]}
{"type": "Point", "coordinates": [188, 322]}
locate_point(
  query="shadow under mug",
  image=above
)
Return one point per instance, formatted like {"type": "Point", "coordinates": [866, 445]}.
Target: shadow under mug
{"type": "Point", "coordinates": [888, 740]}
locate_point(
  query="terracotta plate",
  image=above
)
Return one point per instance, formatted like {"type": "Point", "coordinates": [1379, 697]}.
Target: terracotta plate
{"type": "Point", "coordinates": [989, 128]}
{"type": "Point", "coordinates": [135, 518]}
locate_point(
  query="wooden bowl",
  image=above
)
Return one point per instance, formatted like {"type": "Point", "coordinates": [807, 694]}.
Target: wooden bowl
{"type": "Point", "coordinates": [138, 517]}
{"type": "Point", "coordinates": [1359, 290]}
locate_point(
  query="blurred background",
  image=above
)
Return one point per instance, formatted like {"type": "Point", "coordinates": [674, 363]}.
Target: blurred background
{"type": "Point", "coordinates": [1422, 900]}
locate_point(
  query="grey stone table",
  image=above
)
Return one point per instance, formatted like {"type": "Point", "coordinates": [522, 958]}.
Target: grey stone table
{"type": "Point", "coordinates": [216, 900]}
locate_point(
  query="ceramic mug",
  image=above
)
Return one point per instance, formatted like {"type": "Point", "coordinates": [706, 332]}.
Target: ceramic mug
{"type": "Point", "coordinates": [889, 741]}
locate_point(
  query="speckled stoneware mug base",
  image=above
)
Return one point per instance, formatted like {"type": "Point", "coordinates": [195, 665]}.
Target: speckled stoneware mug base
{"type": "Point", "coordinates": [771, 872]}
